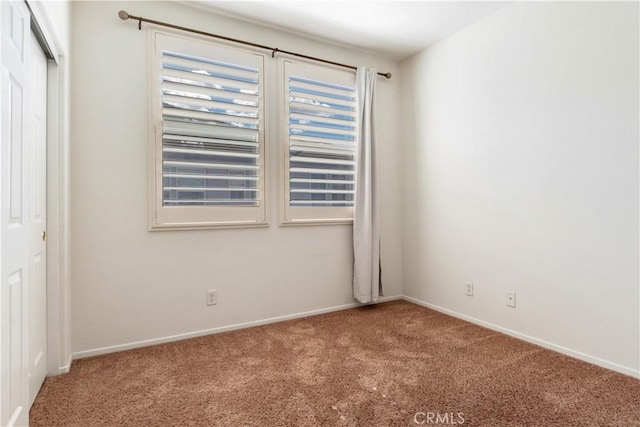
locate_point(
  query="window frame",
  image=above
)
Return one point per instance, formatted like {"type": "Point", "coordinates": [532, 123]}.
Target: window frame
{"type": "Point", "coordinates": [201, 217]}
{"type": "Point", "coordinates": [316, 215]}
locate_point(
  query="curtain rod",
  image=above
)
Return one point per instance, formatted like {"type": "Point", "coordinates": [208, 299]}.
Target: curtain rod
{"type": "Point", "coordinates": [124, 15]}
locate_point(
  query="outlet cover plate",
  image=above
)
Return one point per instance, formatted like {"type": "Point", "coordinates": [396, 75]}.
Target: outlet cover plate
{"type": "Point", "coordinates": [469, 288]}
{"type": "Point", "coordinates": [511, 299]}
{"type": "Point", "coordinates": [212, 297]}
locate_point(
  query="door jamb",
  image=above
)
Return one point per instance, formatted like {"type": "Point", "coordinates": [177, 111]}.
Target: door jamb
{"type": "Point", "coordinates": [58, 270]}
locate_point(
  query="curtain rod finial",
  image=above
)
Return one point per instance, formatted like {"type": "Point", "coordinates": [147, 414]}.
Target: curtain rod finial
{"type": "Point", "coordinates": [388, 75]}
{"type": "Point", "coordinates": [123, 15]}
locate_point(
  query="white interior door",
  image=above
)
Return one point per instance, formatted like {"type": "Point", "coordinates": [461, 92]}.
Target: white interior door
{"type": "Point", "coordinates": [37, 202]}
{"type": "Point", "coordinates": [14, 227]}
{"type": "Point", "coordinates": [22, 215]}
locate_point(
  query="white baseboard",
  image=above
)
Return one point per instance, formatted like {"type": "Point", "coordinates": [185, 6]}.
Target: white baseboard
{"type": "Point", "coordinates": [171, 338]}
{"type": "Point", "coordinates": [557, 348]}
{"type": "Point", "coordinates": [65, 369]}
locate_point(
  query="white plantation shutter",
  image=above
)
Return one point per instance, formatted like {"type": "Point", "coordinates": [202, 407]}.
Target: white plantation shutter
{"type": "Point", "coordinates": [320, 115]}
{"type": "Point", "coordinates": [209, 156]}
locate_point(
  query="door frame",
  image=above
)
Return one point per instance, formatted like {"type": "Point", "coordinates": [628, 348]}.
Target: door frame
{"type": "Point", "coordinates": [58, 186]}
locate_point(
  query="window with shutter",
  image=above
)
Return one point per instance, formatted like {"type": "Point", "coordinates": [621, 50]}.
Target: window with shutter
{"type": "Point", "coordinates": [319, 115]}
{"type": "Point", "coordinates": [208, 157]}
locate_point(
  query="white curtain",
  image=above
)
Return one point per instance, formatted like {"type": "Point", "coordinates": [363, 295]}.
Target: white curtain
{"type": "Point", "coordinates": [367, 285]}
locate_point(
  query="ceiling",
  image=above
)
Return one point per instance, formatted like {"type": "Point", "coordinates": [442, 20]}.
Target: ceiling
{"type": "Point", "coordinates": [396, 29]}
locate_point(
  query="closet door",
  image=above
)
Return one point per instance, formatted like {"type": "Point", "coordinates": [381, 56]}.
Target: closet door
{"type": "Point", "coordinates": [22, 215]}
{"type": "Point", "coordinates": [37, 202]}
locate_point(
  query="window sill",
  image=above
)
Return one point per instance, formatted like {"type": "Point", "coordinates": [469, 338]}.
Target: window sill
{"type": "Point", "coordinates": [206, 226]}
{"type": "Point", "coordinates": [299, 222]}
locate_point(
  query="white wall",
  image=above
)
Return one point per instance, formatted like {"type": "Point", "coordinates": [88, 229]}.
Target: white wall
{"type": "Point", "coordinates": [131, 285]}
{"type": "Point", "coordinates": [57, 14]}
{"type": "Point", "coordinates": [521, 174]}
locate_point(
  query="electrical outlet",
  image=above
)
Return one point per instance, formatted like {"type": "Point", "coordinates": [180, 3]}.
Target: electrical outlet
{"type": "Point", "coordinates": [511, 299]}
{"type": "Point", "coordinates": [469, 288]}
{"type": "Point", "coordinates": [212, 297]}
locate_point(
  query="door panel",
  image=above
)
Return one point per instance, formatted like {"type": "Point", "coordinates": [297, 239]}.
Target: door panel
{"type": "Point", "coordinates": [16, 151]}
{"type": "Point", "coordinates": [16, 335]}
{"type": "Point", "coordinates": [36, 183]}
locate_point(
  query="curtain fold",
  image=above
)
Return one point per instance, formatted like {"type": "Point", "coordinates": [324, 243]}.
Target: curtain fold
{"type": "Point", "coordinates": [367, 283]}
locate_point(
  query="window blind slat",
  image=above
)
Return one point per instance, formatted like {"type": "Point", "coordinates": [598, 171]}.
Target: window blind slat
{"type": "Point", "coordinates": [327, 145]}
{"type": "Point", "coordinates": [320, 191]}
{"type": "Point", "coordinates": [186, 139]}
{"type": "Point", "coordinates": [169, 91]}
{"type": "Point", "coordinates": [192, 106]}
{"type": "Point", "coordinates": [210, 153]}
{"type": "Point", "coordinates": [321, 112]}
{"type": "Point", "coordinates": [333, 151]}
{"type": "Point", "coordinates": [320, 181]}
{"type": "Point", "coordinates": [172, 54]}
{"type": "Point", "coordinates": [319, 83]}
{"type": "Point", "coordinates": [217, 202]}
{"type": "Point", "coordinates": [308, 91]}
{"type": "Point", "coordinates": [187, 164]}
{"type": "Point", "coordinates": [319, 142]}
{"type": "Point", "coordinates": [321, 160]}
{"type": "Point", "coordinates": [210, 73]}
{"type": "Point", "coordinates": [320, 171]}
{"type": "Point", "coordinates": [190, 126]}
{"type": "Point", "coordinates": [311, 132]}
{"type": "Point", "coordinates": [211, 177]}
{"type": "Point", "coordinates": [207, 83]}
{"type": "Point", "coordinates": [209, 189]}
{"type": "Point", "coordinates": [296, 119]}
{"type": "Point", "coordinates": [208, 119]}
{"type": "Point", "coordinates": [320, 103]}
{"type": "Point", "coordinates": [322, 203]}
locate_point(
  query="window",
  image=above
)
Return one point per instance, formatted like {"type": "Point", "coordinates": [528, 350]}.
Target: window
{"type": "Point", "coordinates": [319, 139]}
{"type": "Point", "coordinates": [208, 152]}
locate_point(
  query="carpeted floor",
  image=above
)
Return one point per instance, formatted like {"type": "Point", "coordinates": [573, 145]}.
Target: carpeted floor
{"type": "Point", "coordinates": [394, 364]}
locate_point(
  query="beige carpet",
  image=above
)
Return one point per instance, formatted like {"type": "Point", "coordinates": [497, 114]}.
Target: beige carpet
{"type": "Point", "coordinates": [387, 365]}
